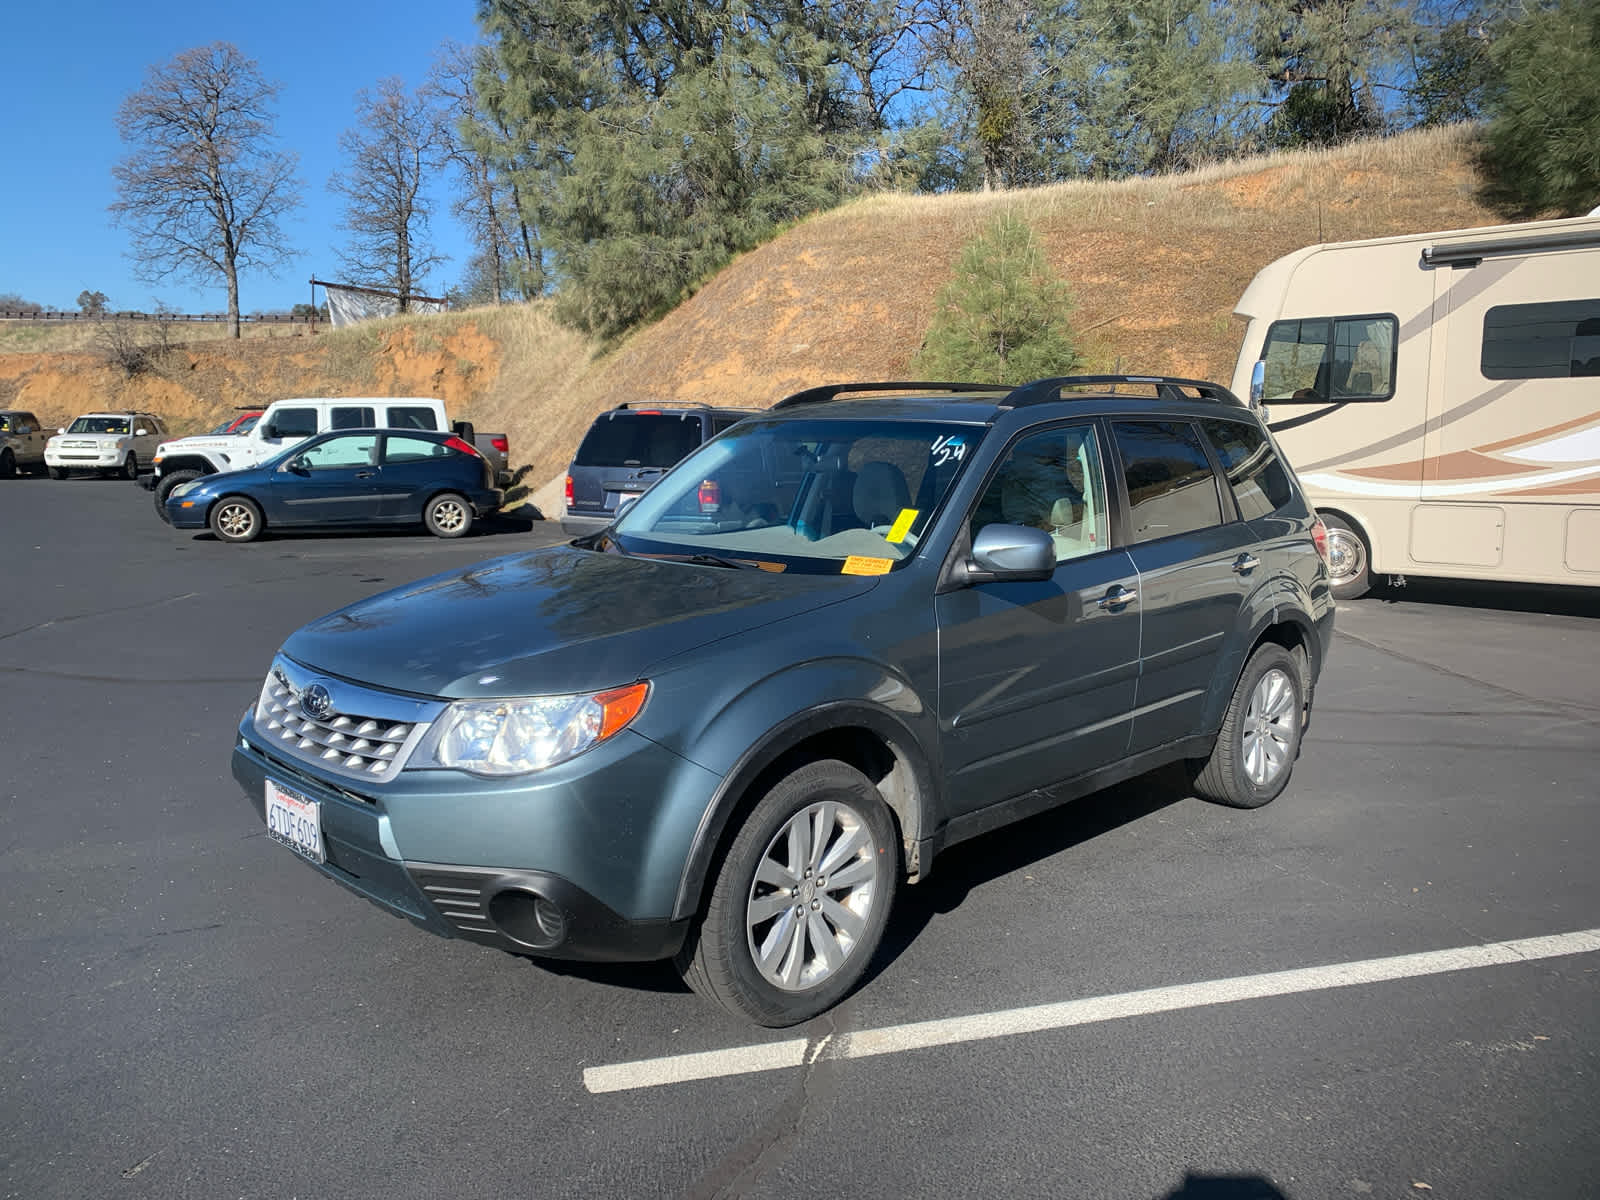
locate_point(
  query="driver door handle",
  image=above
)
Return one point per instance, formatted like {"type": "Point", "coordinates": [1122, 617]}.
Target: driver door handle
{"type": "Point", "coordinates": [1118, 598]}
{"type": "Point", "coordinates": [365, 474]}
{"type": "Point", "coordinates": [1246, 562]}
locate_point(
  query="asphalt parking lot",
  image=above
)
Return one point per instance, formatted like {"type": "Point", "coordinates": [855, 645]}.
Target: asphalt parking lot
{"type": "Point", "coordinates": [190, 1012]}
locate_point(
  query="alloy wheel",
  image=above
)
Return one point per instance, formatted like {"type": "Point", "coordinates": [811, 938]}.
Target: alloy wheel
{"type": "Point", "coordinates": [1269, 727]}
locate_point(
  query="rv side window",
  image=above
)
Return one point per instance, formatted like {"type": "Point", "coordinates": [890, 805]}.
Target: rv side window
{"type": "Point", "coordinates": [1324, 359]}
{"type": "Point", "coordinates": [1555, 340]}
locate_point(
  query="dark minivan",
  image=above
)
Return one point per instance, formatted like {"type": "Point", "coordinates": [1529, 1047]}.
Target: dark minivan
{"type": "Point", "coordinates": [628, 449]}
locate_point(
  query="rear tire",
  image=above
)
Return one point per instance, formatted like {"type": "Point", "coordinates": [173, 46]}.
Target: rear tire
{"type": "Point", "coordinates": [799, 901]}
{"type": "Point", "coordinates": [448, 516]}
{"type": "Point", "coordinates": [59, 472]}
{"type": "Point", "coordinates": [164, 487]}
{"type": "Point", "coordinates": [1259, 740]}
{"type": "Point", "coordinates": [130, 467]}
{"type": "Point", "coordinates": [236, 519]}
{"type": "Point", "coordinates": [1349, 559]}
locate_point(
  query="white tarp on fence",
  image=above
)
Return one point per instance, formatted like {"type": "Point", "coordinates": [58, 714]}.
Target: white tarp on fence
{"type": "Point", "coordinates": [347, 305]}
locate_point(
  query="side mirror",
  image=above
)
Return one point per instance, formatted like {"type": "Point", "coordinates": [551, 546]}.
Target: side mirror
{"type": "Point", "coordinates": [1012, 553]}
{"type": "Point", "coordinates": [61, 429]}
{"type": "Point", "coordinates": [298, 465]}
{"type": "Point", "coordinates": [141, 433]}
{"type": "Point", "coordinates": [1258, 390]}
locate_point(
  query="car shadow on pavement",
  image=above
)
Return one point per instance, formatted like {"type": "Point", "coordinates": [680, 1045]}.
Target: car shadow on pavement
{"type": "Point", "coordinates": [1506, 597]}
{"type": "Point", "coordinates": [485, 527]}
{"type": "Point", "coordinates": [1196, 1186]}
{"type": "Point", "coordinates": [1005, 851]}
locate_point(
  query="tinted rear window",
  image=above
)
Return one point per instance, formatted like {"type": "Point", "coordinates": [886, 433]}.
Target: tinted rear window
{"type": "Point", "coordinates": [1260, 483]}
{"type": "Point", "coordinates": [1171, 489]}
{"type": "Point", "coordinates": [410, 416]}
{"type": "Point", "coordinates": [639, 440]}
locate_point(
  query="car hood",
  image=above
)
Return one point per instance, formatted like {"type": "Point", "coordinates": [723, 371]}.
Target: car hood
{"type": "Point", "coordinates": [551, 622]}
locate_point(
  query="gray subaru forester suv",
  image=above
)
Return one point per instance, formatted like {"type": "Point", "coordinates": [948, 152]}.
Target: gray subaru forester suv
{"type": "Point", "coordinates": [835, 640]}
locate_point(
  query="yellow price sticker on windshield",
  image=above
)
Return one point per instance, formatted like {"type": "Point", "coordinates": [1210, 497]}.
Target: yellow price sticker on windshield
{"type": "Point", "coordinates": [901, 527]}
{"type": "Point", "coordinates": [860, 564]}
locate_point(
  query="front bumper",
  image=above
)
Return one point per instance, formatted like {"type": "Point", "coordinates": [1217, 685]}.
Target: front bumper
{"type": "Point", "coordinates": [84, 460]}
{"type": "Point", "coordinates": [489, 904]}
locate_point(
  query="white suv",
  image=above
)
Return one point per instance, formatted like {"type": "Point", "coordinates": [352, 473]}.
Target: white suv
{"type": "Point", "coordinates": [105, 442]}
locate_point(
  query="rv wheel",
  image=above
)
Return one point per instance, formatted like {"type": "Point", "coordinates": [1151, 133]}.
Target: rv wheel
{"type": "Point", "coordinates": [1349, 559]}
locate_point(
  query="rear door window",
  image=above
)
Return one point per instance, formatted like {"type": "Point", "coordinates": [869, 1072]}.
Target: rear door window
{"type": "Point", "coordinates": [1171, 487]}
{"type": "Point", "coordinates": [412, 416]}
{"type": "Point", "coordinates": [639, 440]}
{"type": "Point", "coordinates": [352, 417]}
{"type": "Point", "coordinates": [1260, 483]}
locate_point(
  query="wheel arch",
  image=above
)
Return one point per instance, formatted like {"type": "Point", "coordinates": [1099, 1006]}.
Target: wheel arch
{"type": "Point", "coordinates": [866, 738]}
{"type": "Point", "coordinates": [1289, 627]}
{"type": "Point", "coordinates": [187, 462]}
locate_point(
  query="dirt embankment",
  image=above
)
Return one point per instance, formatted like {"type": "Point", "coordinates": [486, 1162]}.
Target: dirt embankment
{"type": "Point", "coordinates": [1155, 266]}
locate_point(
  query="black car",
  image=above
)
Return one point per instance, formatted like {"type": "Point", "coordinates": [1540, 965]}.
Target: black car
{"type": "Point", "coordinates": [348, 477]}
{"type": "Point", "coordinates": [628, 449]}
{"type": "Point", "coordinates": [836, 640]}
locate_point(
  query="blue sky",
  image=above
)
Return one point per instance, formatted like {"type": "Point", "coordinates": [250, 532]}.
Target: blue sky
{"type": "Point", "coordinates": [68, 67]}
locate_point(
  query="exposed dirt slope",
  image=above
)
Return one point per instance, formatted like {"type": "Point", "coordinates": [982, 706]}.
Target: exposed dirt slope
{"type": "Point", "coordinates": [1155, 265]}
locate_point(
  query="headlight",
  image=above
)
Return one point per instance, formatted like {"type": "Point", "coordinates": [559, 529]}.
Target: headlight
{"type": "Point", "coordinates": [516, 736]}
{"type": "Point", "coordinates": [184, 489]}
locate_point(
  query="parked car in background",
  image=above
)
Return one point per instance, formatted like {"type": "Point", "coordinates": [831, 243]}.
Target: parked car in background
{"type": "Point", "coordinates": [243, 423]}
{"type": "Point", "coordinates": [22, 443]}
{"type": "Point", "coordinates": [834, 641]}
{"type": "Point", "coordinates": [105, 442]}
{"type": "Point", "coordinates": [285, 423]}
{"type": "Point", "coordinates": [353, 477]}
{"type": "Point", "coordinates": [628, 449]}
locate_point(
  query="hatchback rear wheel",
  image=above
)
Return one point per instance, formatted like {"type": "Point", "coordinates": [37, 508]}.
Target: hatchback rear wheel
{"type": "Point", "coordinates": [448, 516]}
{"type": "Point", "coordinates": [800, 899]}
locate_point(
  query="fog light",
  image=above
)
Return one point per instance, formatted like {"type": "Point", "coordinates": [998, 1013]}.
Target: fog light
{"type": "Point", "coordinates": [529, 918]}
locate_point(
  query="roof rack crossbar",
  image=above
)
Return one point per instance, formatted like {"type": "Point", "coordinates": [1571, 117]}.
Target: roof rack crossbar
{"type": "Point", "coordinates": [830, 391]}
{"type": "Point", "coordinates": [1168, 387]}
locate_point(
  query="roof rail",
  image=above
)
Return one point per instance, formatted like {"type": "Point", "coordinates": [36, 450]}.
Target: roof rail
{"type": "Point", "coordinates": [1167, 387]}
{"type": "Point", "coordinates": [830, 391]}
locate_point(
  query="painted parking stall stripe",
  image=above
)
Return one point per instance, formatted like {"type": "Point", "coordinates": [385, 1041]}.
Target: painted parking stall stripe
{"type": "Point", "coordinates": [897, 1039]}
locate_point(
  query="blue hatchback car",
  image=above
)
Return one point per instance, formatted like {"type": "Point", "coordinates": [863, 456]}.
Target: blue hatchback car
{"type": "Point", "coordinates": [348, 477]}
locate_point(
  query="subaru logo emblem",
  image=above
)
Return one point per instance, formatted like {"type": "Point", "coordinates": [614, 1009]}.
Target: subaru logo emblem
{"type": "Point", "coordinates": [316, 702]}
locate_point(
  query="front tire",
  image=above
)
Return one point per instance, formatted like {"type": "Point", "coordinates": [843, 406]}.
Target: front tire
{"type": "Point", "coordinates": [8, 465]}
{"type": "Point", "coordinates": [236, 519]}
{"type": "Point", "coordinates": [164, 487]}
{"type": "Point", "coordinates": [1349, 560]}
{"type": "Point", "coordinates": [130, 467]}
{"type": "Point", "coordinates": [1260, 735]}
{"type": "Point", "coordinates": [59, 472]}
{"type": "Point", "coordinates": [448, 516]}
{"type": "Point", "coordinates": [800, 899]}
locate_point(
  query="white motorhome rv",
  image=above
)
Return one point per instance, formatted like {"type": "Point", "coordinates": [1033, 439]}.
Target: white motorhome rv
{"type": "Point", "coordinates": [1439, 395]}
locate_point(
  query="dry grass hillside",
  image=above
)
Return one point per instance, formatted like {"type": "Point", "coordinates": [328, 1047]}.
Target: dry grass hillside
{"type": "Point", "coordinates": [1155, 265]}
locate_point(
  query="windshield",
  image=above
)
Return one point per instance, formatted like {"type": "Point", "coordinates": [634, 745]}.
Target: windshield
{"type": "Point", "coordinates": [824, 497]}
{"type": "Point", "coordinates": [99, 425]}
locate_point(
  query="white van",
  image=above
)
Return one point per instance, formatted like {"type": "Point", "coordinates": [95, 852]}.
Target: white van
{"type": "Point", "coordinates": [1439, 396]}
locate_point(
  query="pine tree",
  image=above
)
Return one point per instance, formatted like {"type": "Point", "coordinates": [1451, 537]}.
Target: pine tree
{"type": "Point", "coordinates": [1003, 317]}
{"type": "Point", "coordinates": [1543, 143]}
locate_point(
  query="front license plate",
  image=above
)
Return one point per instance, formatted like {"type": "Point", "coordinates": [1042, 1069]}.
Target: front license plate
{"type": "Point", "coordinates": [295, 821]}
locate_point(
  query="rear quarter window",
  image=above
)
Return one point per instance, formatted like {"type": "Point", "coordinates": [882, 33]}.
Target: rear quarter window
{"type": "Point", "coordinates": [1259, 480]}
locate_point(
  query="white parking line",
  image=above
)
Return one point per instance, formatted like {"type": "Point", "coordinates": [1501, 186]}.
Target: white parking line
{"type": "Point", "coordinates": [896, 1039]}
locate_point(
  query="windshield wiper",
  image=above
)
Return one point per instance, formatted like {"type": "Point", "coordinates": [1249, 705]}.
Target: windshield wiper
{"type": "Point", "coordinates": [712, 560]}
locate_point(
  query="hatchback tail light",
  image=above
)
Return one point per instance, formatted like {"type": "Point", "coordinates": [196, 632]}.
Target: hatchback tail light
{"type": "Point", "coordinates": [464, 447]}
{"type": "Point", "coordinates": [710, 496]}
{"type": "Point", "coordinates": [1319, 538]}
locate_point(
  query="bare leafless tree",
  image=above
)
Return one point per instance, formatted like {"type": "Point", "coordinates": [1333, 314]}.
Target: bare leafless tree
{"type": "Point", "coordinates": [204, 189]}
{"type": "Point", "coordinates": [398, 143]}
